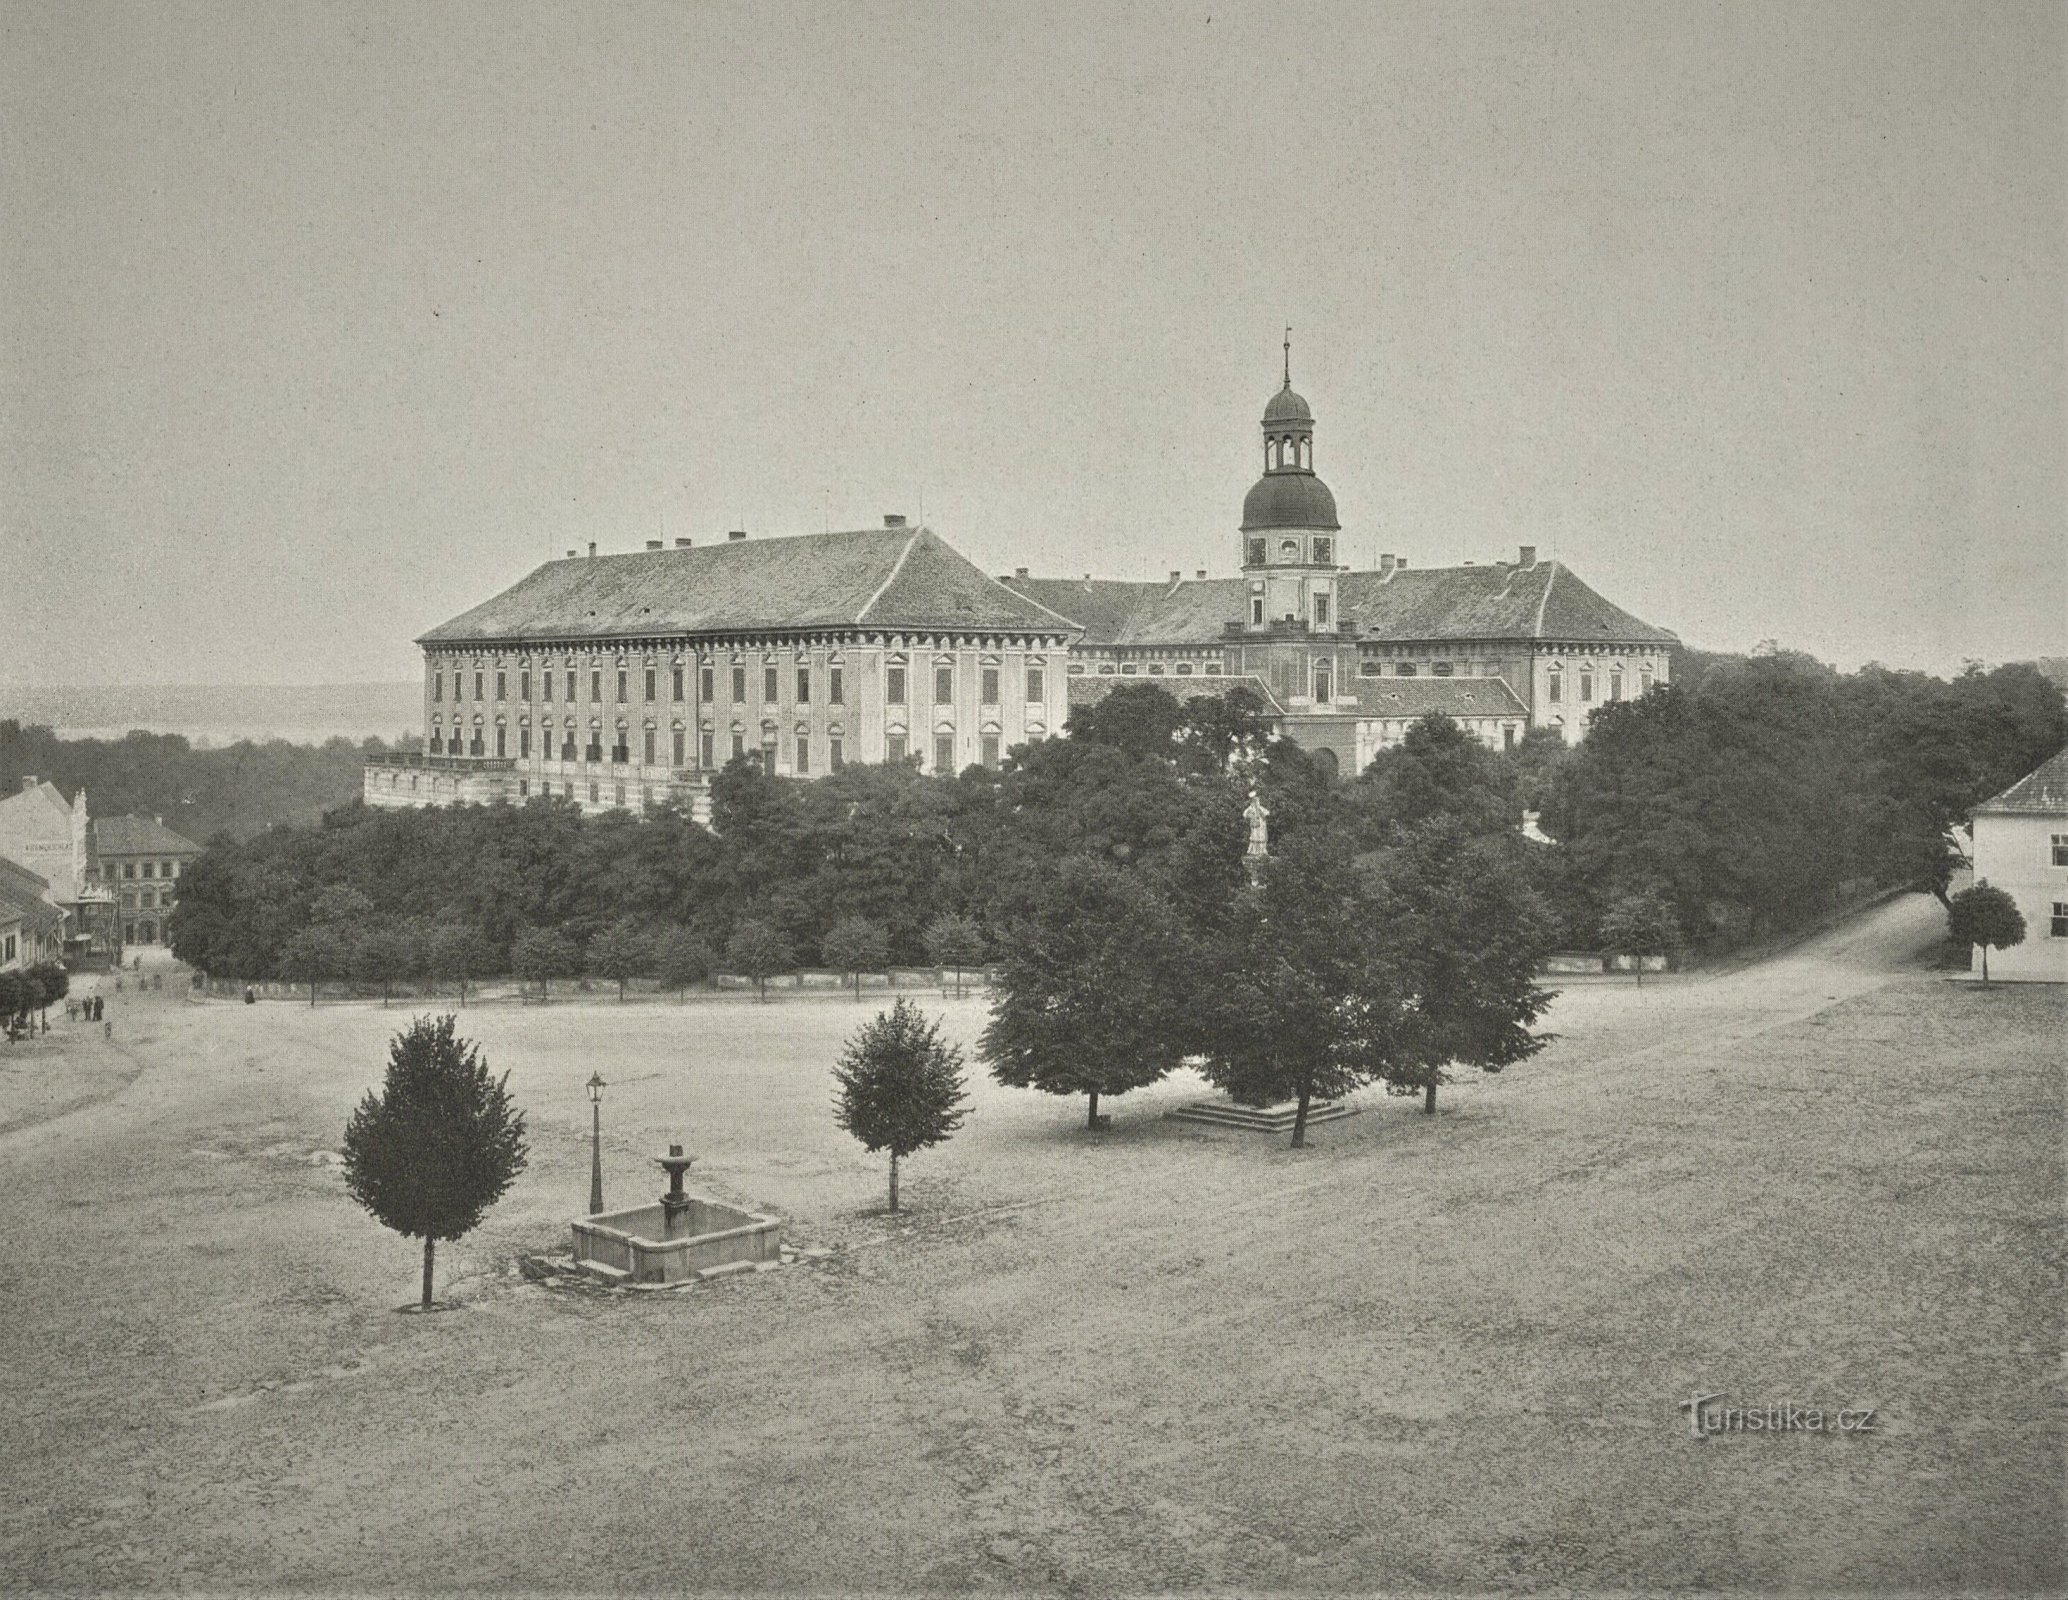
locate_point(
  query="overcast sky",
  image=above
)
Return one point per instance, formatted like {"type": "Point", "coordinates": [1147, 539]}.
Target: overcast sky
{"type": "Point", "coordinates": [324, 323]}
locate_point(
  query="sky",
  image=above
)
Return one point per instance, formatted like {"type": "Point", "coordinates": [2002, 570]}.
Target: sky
{"type": "Point", "coordinates": [321, 323]}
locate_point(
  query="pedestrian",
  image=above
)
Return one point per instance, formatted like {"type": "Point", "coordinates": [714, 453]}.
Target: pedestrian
{"type": "Point", "coordinates": [71, 1011]}
{"type": "Point", "coordinates": [107, 1030]}
{"type": "Point", "coordinates": [100, 1006]}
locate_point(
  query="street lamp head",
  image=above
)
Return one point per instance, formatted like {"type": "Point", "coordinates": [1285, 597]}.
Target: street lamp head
{"type": "Point", "coordinates": [596, 1088]}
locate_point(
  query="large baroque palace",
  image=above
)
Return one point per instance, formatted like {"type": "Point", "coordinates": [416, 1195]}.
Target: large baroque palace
{"type": "Point", "coordinates": [623, 680]}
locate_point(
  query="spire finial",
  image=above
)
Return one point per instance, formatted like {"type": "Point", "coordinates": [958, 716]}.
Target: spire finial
{"type": "Point", "coordinates": [1288, 355]}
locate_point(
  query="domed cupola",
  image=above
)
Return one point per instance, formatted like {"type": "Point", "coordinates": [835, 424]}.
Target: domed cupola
{"type": "Point", "coordinates": [1289, 495]}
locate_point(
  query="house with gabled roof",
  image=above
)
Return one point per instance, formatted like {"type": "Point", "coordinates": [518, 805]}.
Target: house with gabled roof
{"type": "Point", "coordinates": [2021, 847]}
{"type": "Point", "coordinates": [622, 680]}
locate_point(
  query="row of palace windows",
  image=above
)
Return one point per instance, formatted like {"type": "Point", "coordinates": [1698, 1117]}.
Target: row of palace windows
{"type": "Point", "coordinates": [1155, 669]}
{"type": "Point", "coordinates": [1437, 669]}
{"type": "Point", "coordinates": [771, 684]}
{"type": "Point", "coordinates": [140, 869]}
{"type": "Point", "coordinates": [1554, 683]}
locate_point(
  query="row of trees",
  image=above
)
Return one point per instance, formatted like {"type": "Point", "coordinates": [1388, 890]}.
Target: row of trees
{"type": "Point", "coordinates": [27, 993]}
{"type": "Point", "coordinates": [1745, 800]}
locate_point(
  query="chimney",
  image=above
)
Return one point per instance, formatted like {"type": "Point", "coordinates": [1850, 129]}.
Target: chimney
{"type": "Point", "coordinates": [1200, 574]}
{"type": "Point", "coordinates": [653, 544]}
{"type": "Point", "coordinates": [592, 547]}
{"type": "Point", "coordinates": [892, 519]}
{"type": "Point", "coordinates": [1400, 565]}
{"type": "Point", "coordinates": [736, 533]}
{"type": "Point", "coordinates": [1529, 555]}
{"type": "Point", "coordinates": [1019, 572]}
{"type": "Point", "coordinates": [1386, 563]}
{"type": "Point", "coordinates": [28, 781]}
{"type": "Point", "coordinates": [681, 543]}
{"type": "Point", "coordinates": [1177, 576]}
{"type": "Point", "coordinates": [572, 554]}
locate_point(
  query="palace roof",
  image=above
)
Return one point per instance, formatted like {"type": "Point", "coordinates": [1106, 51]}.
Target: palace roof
{"type": "Point", "coordinates": [139, 836]}
{"type": "Point", "coordinates": [895, 577]}
{"type": "Point", "coordinates": [2041, 792]}
{"type": "Point", "coordinates": [1501, 600]}
{"type": "Point", "coordinates": [1422, 697]}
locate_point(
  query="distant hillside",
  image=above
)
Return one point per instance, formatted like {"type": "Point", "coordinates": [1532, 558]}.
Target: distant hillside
{"type": "Point", "coordinates": [214, 715]}
{"type": "Point", "coordinates": [240, 789]}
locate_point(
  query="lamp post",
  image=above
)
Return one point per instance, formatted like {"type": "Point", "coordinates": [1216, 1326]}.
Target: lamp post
{"type": "Point", "coordinates": [596, 1088]}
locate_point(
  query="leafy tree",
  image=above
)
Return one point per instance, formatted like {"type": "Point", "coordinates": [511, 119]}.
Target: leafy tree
{"type": "Point", "coordinates": [1466, 924]}
{"type": "Point", "coordinates": [52, 983]}
{"type": "Point", "coordinates": [441, 1142]}
{"type": "Point", "coordinates": [456, 951]}
{"type": "Point", "coordinates": [539, 955]}
{"type": "Point", "coordinates": [681, 959]}
{"type": "Point", "coordinates": [855, 945]}
{"type": "Point", "coordinates": [1985, 915]}
{"type": "Point", "coordinates": [1439, 770]}
{"type": "Point", "coordinates": [1096, 990]}
{"type": "Point", "coordinates": [758, 950]}
{"type": "Point", "coordinates": [315, 953]}
{"type": "Point", "coordinates": [1219, 731]}
{"type": "Point", "coordinates": [901, 1087]}
{"type": "Point", "coordinates": [382, 950]}
{"type": "Point", "coordinates": [956, 942]}
{"type": "Point", "coordinates": [17, 997]}
{"type": "Point", "coordinates": [1140, 718]}
{"type": "Point", "coordinates": [1640, 923]}
{"type": "Point", "coordinates": [620, 952]}
{"type": "Point", "coordinates": [1308, 996]}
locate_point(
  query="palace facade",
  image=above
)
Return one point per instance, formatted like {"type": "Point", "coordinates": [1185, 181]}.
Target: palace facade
{"type": "Point", "coordinates": [622, 680]}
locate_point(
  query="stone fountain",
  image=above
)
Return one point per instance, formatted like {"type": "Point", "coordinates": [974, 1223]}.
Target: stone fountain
{"type": "Point", "coordinates": [682, 1237]}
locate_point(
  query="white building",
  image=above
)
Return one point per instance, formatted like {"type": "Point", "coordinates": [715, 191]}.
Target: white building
{"type": "Point", "coordinates": [2021, 847]}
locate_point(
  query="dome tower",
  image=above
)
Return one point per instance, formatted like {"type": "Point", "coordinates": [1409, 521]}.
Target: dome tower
{"type": "Point", "coordinates": [1289, 524]}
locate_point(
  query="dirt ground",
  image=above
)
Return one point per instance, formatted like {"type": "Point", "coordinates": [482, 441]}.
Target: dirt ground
{"type": "Point", "coordinates": [1425, 1354]}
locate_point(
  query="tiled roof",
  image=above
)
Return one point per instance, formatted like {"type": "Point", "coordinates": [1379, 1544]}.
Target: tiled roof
{"type": "Point", "coordinates": [21, 899]}
{"type": "Point", "coordinates": [1087, 690]}
{"type": "Point", "coordinates": [879, 577]}
{"type": "Point", "coordinates": [1420, 697]}
{"type": "Point", "coordinates": [1498, 601]}
{"type": "Point", "coordinates": [2043, 791]}
{"type": "Point", "coordinates": [134, 836]}
{"type": "Point", "coordinates": [1100, 606]}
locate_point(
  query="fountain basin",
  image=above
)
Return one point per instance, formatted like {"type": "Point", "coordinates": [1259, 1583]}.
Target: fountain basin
{"type": "Point", "coordinates": [647, 1245]}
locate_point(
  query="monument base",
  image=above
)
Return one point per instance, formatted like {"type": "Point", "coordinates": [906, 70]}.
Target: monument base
{"type": "Point", "coordinates": [1261, 1119]}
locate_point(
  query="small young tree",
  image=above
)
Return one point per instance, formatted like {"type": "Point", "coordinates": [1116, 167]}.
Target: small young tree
{"type": "Point", "coordinates": [1985, 915]}
{"type": "Point", "coordinates": [1640, 923]}
{"type": "Point", "coordinates": [855, 945]}
{"type": "Point", "coordinates": [379, 953]}
{"type": "Point", "coordinates": [681, 959]}
{"type": "Point", "coordinates": [953, 941]}
{"type": "Point", "coordinates": [621, 951]}
{"type": "Point", "coordinates": [441, 1142]}
{"type": "Point", "coordinates": [759, 951]}
{"type": "Point", "coordinates": [539, 955]}
{"type": "Point", "coordinates": [901, 1088]}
